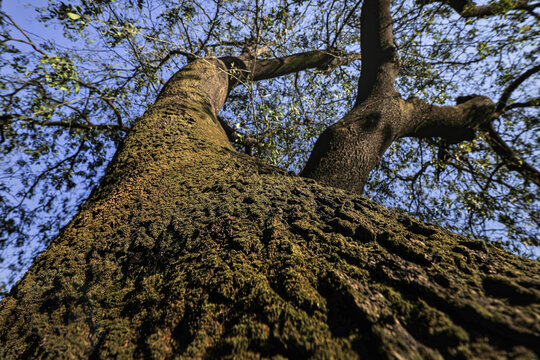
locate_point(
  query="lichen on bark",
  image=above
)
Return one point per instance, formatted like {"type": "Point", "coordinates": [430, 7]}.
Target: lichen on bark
{"type": "Point", "coordinates": [191, 250]}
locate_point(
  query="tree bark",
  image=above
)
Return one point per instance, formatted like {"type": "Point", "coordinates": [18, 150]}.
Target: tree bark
{"type": "Point", "coordinates": [468, 8]}
{"type": "Point", "coordinates": [346, 152]}
{"type": "Point", "coordinates": [190, 250]}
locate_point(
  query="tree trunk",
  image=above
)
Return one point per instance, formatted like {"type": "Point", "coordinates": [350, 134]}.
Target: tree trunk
{"type": "Point", "coordinates": [191, 250]}
{"type": "Point", "coordinates": [347, 151]}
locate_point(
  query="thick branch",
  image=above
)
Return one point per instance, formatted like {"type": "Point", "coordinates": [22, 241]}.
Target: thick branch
{"type": "Point", "coordinates": [512, 160]}
{"type": "Point", "coordinates": [380, 61]}
{"type": "Point", "coordinates": [347, 151]}
{"type": "Point", "coordinates": [215, 77]}
{"type": "Point", "coordinates": [318, 59]}
{"type": "Point", "coordinates": [460, 122]}
{"type": "Point", "coordinates": [468, 9]}
{"type": "Point", "coordinates": [272, 68]}
{"type": "Point", "coordinates": [453, 123]}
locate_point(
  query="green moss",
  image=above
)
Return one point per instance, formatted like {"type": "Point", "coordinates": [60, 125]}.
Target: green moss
{"type": "Point", "coordinates": [190, 250]}
{"type": "Point", "coordinates": [435, 326]}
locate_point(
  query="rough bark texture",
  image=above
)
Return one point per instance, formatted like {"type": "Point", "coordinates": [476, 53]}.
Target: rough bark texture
{"type": "Point", "coordinates": [191, 250]}
{"type": "Point", "coordinates": [347, 151]}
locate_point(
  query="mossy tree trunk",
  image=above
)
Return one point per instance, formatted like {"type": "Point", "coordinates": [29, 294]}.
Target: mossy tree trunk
{"type": "Point", "coordinates": [189, 249]}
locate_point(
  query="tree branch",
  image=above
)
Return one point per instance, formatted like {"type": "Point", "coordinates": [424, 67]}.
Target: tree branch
{"type": "Point", "coordinates": [8, 118]}
{"type": "Point", "coordinates": [380, 61]}
{"type": "Point", "coordinates": [512, 160]}
{"type": "Point", "coordinates": [258, 69]}
{"type": "Point", "coordinates": [30, 190]}
{"type": "Point", "coordinates": [453, 123]}
{"type": "Point", "coordinates": [317, 59]}
{"type": "Point", "coordinates": [190, 57]}
{"type": "Point", "coordinates": [529, 103]}
{"type": "Point", "coordinates": [344, 22]}
{"type": "Point", "coordinates": [29, 42]}
{"type": "Point", "coordinates": [468, 9]}
{"type": "Point", "coordinates": [236, 137]}
{"type": "Point", "coordinates": [212, 23]}
{"type": "Point", "coordinates": [106, 100]}
{"type": "Point", "coordinates": [460, 122]}
{"type": "Point", "coordinates": [505, 96]}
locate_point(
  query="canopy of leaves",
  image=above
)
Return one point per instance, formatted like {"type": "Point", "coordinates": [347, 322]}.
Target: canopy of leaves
{"type": "Point", "coordinates": [67, 102]}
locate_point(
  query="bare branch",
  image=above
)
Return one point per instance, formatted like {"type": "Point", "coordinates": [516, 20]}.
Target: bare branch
{"type": "Point", "coordinates": [30, 190]}
{"type": "Point", "coordinates": [505, 96]}
{"type": "Point", "coordinates": [213, 23]}
{"type": "Point", "coordinates": [529, 103]}
{"type": "Point", "coordinates": [186, 32]}
{"type": "Point", "coordinates": [412, 178]}
{"type": "Point", "coordinates": [344, 22]}
{"type": "Point", "coordinates": [512, 160]}
{"type": "Point", "coordinates": [106, 100]}
{"type": "Point", "coordinates": [136, 51]}
{"type": "Point", "coordinates": [226, 43]}
{"type": "Point", "coordinates": [190, 57]}
{"type": "Point", "coordinates": [327, 22]}
{"type": "Point", "coordinates": [9, 118]}
{"type": "Point", "coordinates": [29, 42]}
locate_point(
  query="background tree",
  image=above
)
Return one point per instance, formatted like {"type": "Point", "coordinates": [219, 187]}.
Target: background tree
{"type": "Point", "coordinates": [66, 106]}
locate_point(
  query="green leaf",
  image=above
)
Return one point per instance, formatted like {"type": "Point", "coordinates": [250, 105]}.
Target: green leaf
{"type": "Point", "coordinates": [73, 16]}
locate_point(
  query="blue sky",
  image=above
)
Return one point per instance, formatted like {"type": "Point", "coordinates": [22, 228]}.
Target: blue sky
{"type": "Point", "coordinates": [24, 14]}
